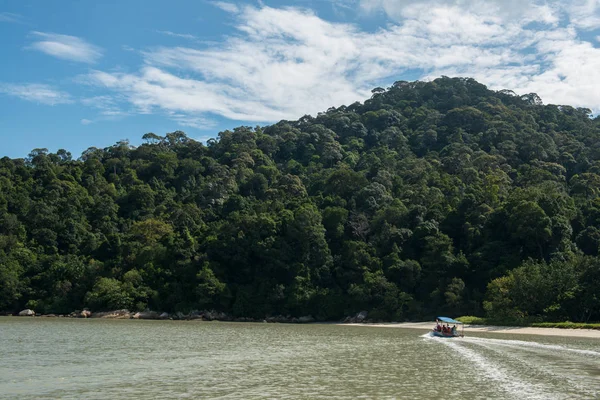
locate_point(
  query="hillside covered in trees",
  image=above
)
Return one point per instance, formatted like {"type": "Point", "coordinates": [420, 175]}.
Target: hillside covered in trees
{"type": "Point", "coordinates": [429, 198]}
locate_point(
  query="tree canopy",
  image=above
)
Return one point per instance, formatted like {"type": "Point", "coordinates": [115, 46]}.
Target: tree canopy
{"type": "Point", "coordinates": [430, 197]}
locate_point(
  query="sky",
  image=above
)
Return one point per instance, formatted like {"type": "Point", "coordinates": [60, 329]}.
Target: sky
{"type": "Point", "coordinates": [77, 74]}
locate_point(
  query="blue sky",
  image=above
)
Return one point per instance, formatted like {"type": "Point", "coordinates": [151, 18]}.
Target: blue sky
{"type": "Point", "coordinates": [78, 74]}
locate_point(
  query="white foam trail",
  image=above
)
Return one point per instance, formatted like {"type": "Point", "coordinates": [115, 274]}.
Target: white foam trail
{"type": "Point", "coordinates": [522, 343]}
{"type": "Point", "coordinates": [540, 368]}
{"type": "Point", "coordinates": [512, 385]}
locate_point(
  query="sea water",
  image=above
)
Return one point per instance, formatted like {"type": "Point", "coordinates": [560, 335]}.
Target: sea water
{"type": "Point", "coordinates": [118, 359]}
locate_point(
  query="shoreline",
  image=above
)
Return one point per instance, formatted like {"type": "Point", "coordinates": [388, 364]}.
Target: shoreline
{"type": "Point", "coordinates": [516, 330]}
{"type": "Point", "coordinates": [423, 326]}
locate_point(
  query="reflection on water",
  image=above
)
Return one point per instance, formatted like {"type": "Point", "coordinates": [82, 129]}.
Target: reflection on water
{"type": "Point", "coordinates": [96, 359]}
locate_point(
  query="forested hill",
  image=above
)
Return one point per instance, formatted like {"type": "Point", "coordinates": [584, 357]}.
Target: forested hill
{"type": "Point", "coordinates": [430, 198]}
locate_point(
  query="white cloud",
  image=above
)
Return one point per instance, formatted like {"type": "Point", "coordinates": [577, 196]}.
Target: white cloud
{"type": "Point", "coordinates": [191, 121]}
{"type": "Point", "coordinates": [529, 10]}
{"type": "Point", "coordinates": [108, 106]}
{"type": "Point", "coordinates": [66, 47]}
{"type": "Point", "coordinates": [584, 14]}
{"type": "Point", "coordinates": [178, 35]}
{"type": "Point", "coordinates": [86, 121]}
{"type": "Point", "coordinates": [284, 63]}
{"type": "Point", "coordinates": [227, 7]}
{"type": "Point", "coordinates": [36, 92]}
{"type": "Point", "coordinates": [573, 75]}
{"type": "Point", "coordinates": [154, 88]}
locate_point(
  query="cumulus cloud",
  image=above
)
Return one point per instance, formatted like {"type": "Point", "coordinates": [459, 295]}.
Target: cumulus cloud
{"type": "Point", "coordinates": [36, 92]}
{"type": "Point", "coordinates": [66, 47]}
{"type": "Point", "coordinates": [286, 62]}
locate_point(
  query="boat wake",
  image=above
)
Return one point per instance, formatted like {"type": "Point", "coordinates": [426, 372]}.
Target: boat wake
{"type": "Point", "coordinates": [510, 383]}
{"type": "Point", "coordinates": [520, 352]}
{"type": "Point", "coordinates": [532, 370]}
{"type": "Point", "coordinates": [521, 344]}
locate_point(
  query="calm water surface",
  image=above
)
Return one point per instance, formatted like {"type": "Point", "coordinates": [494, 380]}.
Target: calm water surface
{"type": "Point", "coordinates": [103, 359]}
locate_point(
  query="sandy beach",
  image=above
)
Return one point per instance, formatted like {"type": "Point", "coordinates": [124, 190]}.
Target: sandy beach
{"type": "Point", "coordinates": [583, 333]}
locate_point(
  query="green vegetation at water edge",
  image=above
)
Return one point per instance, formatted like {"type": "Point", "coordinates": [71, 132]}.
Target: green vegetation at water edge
{"type": "Point", "coordinates": [430, 198]}
{"type": "Point", "coordinates": [565, 325]}
{"type": "Point", "coordinates": [470, 320]}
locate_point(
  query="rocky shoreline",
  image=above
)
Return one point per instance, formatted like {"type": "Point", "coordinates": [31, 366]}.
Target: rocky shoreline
{"type": "Point", "coordinates": [204, 315]}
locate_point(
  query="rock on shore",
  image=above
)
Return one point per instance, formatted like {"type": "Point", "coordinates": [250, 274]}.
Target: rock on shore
{"type": "Point", "coordinates": [116, 314]}
{"type": "Point", "coordinates": [204, 315]}
{"type": "Point", "coordinates": [146, 315]}
{"type": "Point", "coordinates": [357, 319]}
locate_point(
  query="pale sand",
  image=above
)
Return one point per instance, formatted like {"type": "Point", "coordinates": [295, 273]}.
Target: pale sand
{"type": "Point", "coordinates": [584, 333]}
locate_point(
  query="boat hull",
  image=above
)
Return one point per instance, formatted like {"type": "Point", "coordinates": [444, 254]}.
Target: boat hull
{"type": "Point", "coordinates": [444, 335]}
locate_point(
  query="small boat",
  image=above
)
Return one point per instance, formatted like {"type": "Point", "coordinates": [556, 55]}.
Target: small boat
{"type": "Point", "coordinates": [445, 331]}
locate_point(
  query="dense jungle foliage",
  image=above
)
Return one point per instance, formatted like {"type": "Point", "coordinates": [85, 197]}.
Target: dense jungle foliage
{"type": "Point", "coordinates": [430, 198]}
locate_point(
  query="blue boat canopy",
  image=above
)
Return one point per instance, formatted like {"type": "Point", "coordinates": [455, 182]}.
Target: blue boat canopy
{"type": "Point", "coordinates": [449, 320]}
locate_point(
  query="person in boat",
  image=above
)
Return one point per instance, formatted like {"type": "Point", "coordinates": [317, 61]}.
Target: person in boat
{"type": "Point", "coordinates": [454, 330]}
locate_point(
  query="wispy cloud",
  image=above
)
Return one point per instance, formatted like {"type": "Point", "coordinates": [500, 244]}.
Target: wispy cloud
{"type": "Point", "coordinates": [108, 106]}
{"type": "Point", "coordinates": [11, 17]}
{"type": "Point", "coordinates": [36, 92]}
{"type": "Point", "coordinates": [226, 6]}
{"type": "Point", "coordinates": [343, 8]}
{"type": "Point", "coordinates": [500, 10]}
{"type": "Point", "coordinates": [192, 121]}
{"type": "Point", "coordinates": [283, 63]}
{"type": "Point", "coordinates": [178, 35]}
{"type": "Point", "coordinates": [66, 47]}
{"type": "Point", "coordinates": [85, 121]}
{"type": "Point", "coordinates": [583, 14]}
